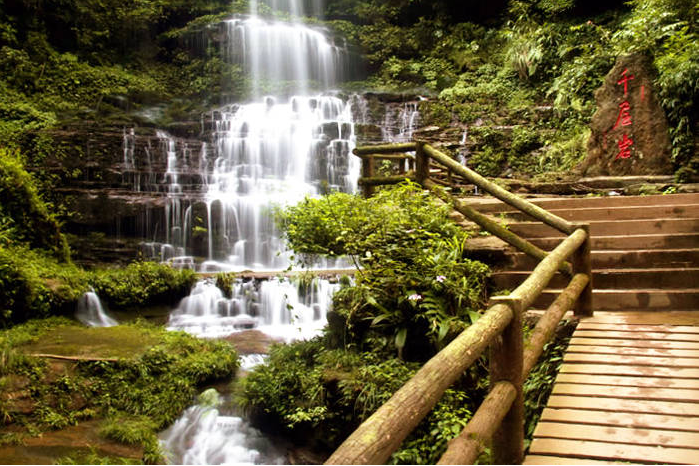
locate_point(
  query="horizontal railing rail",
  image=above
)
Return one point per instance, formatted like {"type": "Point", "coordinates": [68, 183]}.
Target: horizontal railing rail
{"type": "Point", "coordinates": [500, 418]}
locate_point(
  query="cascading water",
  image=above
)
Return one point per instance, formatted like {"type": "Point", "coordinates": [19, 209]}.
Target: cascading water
{"type": "Point", "coordinates": [272, 151]}
{"type": "Point", "coordinates": [277, 307]}
{"type": "Point", "coordinates": [206, 434]}
{"type": "Point", "coordinates": [91, 313]}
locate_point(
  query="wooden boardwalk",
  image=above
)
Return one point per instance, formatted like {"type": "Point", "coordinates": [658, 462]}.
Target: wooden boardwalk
{"type": "Point", "coordinates": [628, 391]}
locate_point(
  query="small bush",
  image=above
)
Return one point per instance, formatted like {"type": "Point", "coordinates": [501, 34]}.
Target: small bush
{"type": "Point", "coordinates": [142, 284]}
{"type": "Point", "coordinates": [24, 211]}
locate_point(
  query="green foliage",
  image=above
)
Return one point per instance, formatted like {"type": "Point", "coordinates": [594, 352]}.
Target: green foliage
{"type": "Point", "coordinates": [34, 285]}
{"type": "Point", "coordinates": [325, 394]}
{"type": "Point", "coordinates": [142, 284]}
{"type": "Point", "coordinates": [415, 287]}
{"type": "Point", "coordinates": [564, 154]}
{"type": "Point", "coordinates": [134, 430]}
{"type": "Point", "coordinates": [539, 384]}
{"type": "Point", "coordinates": [93, 457]}
{"type": "Point", "coordinates": [446, 420]}
{"type": "Point", "coordinates": [488, 162]}
{"type": "Point", "coordinates": [224, 281]}
{"type": "Point", "coordinates": [26, 217]}
{"type": "Point", "coordinates": [139, 394]}
{"type": "Point", "coordinates": [434, 113]}
{"type": "Point", "coordinates": [585, 56]}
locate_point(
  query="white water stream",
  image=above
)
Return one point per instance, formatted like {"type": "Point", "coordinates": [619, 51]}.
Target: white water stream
{"type": "Point", "coordinates": [271, 151]}
{"type": "Point", "coordinates": [91, 312]}
{"type": "Point", "coordinates": [208, 433]}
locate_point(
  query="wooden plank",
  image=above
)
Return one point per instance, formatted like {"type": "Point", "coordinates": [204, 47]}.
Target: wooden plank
{"type": "Point", "coordinates": [620, 419]}
{"type": "Point", "coordinates": [577, 340]}
{"type": "Point", "coordinates": [631, 351]}
{"type": "Point", "coordinates": [628, 381]}
{"type": "Point", "coordinates": [647, 317]}
{"type": "Point", "coordinates": [638, 335]}
{"type": "Point", "coordinates": [618, 434]}
{"type": "Point", "coordinates": [639, 393]}
{"type": "Point", "coordinates": [587, 325]}
{"type": "Point", "coordinates": [611, 369]}
{"type": "Point", "coordinates": [617, 451]}
{"type": "Point", "coordinates": [631, 360]}
{"type": "Point", "coordinates": [538, 459]}
{"type": "Point", "coordinates": [620, 404]}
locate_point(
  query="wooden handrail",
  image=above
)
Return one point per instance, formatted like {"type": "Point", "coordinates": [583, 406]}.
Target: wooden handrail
{"type": "Point", "coordinates": [501, 193]}
{"type": "Point", "coordinates": [493, 227]}
{"type": "Point", "coordinates": [531, 288]}
{"type": "Point", "coordinates": [384, 148]}
{"type": "Point", "coordinates": [379, 436]}
{"type": "Point", "coordinates": [500, 417]}
{"type": "Point", "coordinates": [386, 156]}
{"type": "Point", "coordinates": [381, 180]}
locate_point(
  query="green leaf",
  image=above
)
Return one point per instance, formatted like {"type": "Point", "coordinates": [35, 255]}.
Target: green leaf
{"type": "Point", "coordinates": [379, 318]}
{"type": "Point", "coordinates": [474, 316]}
{"type": "Point", "coordinates": [400, 337]}
{"type": "Point", "coordinates": [443, 329]}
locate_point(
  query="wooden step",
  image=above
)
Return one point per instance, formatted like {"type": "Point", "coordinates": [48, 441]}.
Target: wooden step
{"type": "Point", "coordinates": [649, 298]}
{"type": "Point", "coordinates": [623, 259]}
{"type": "Point", "coordinates": [613, 227]}
{"type": "Point", "coordinates": [486, 204]}
{"type": "Point", "coordinates": [614, 451]}
{"type": "Point", "coordinates": [666, 278]}
{"type": "Point", "coordinates": [651, 241]}
{"type": "Point", "coordinates": [613, 213]}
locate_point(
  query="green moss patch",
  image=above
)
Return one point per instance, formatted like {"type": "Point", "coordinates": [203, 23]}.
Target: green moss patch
{"type": "Point", "coordinates": [136, 379]}
{"type": "Point", "coordinates": [123, 341]}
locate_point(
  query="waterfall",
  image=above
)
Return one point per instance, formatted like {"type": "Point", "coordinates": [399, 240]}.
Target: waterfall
{"type": "Point", "coordinates": [400, 127]}
{"type": "Point", "coordinates": [279, 307]}
{"type": "Point", "coordinates": [213, 200]}
{"type": "Point", "coordinates": [206, 434]}
{"type": "Point", "coordinates": [91, 313]}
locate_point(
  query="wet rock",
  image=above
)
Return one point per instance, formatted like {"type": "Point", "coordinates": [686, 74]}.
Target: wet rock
{"type": "Point", "coordinates": [251, 342]}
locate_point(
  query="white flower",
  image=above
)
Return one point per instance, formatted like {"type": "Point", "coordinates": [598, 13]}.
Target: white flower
{"type": "Point", "coordinates": [440, 278]}
{"type": "Point", "coordinates": [415, 297]}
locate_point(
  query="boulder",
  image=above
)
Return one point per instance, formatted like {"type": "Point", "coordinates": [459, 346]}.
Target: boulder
{"type": "Point", "coordinates": [629, 129]}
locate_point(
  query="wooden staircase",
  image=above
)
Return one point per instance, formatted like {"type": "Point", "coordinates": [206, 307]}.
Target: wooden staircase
{"type": "Point", "coordinates": [628, 389]}
{"type": "Point", "coordinates": [632, 386]}
{"type": "Point", "coordinates": [645, 249]}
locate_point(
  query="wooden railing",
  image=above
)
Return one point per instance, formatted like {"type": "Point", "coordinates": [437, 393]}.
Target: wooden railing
{"type": "Point", "coordinates": [499, 421]}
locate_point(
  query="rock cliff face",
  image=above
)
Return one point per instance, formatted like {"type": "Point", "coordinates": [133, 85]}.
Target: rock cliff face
{"type": "Point", "coordinates": [117, 179]}
{"type": "Point", "coordinates": [629, 130]}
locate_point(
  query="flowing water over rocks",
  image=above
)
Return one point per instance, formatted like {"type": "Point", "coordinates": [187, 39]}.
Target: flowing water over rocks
{"type": "Point", "coordinates": [208, 433]}
{"type": "Point", "coordinates": [277, 307]}
{"type": "Point", "coordinates": [91, 313]}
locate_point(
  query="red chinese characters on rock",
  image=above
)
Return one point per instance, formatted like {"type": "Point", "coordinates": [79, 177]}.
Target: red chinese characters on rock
{"type": "Point", "coordinates": [624, 117]}
{"type": "Point", "coordinates": [625, 80]}
{"type": "Point", "coordinates": [624, 144]}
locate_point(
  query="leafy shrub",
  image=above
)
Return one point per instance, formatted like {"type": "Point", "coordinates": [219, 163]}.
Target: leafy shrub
{"type": "Point", "coordinates": [33, 285]}
{"type": "Point", "coordinates": [142, 283]}
{"type": "Point", "coordinates": [487, 162]}
{"type": "Point", "coordinates": [24, 211]}
{"type": "Point", "coordinates": [139, 394]}
{"type": "Point", "coordinates": [415, 284]}
{"type": "Point", "coordinates": [325, 394]}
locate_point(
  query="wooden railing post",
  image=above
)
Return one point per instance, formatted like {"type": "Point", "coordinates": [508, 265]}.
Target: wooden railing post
{"type": "Point", "coordinates": [422, 162]}
{"type": "Point", "coordinates": [582, 263]}
{"type": "Point", "coordinates": [506, 360]}
{"type": "Point", "coordinates": [368, 172]}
